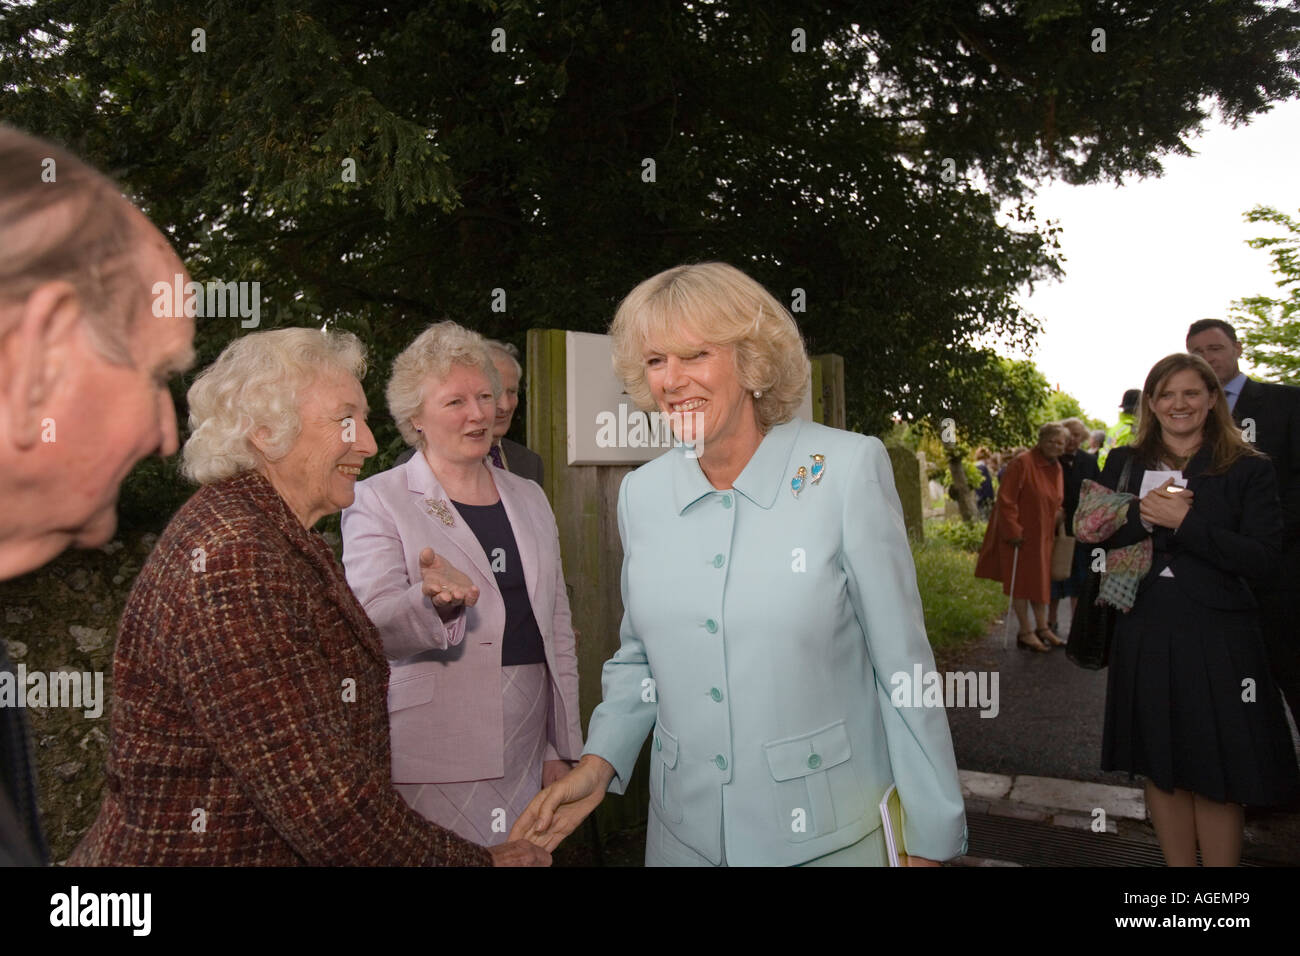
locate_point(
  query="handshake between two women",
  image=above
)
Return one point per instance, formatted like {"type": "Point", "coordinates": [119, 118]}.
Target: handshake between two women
{"type": "Point", "coordinates": [561, 806]}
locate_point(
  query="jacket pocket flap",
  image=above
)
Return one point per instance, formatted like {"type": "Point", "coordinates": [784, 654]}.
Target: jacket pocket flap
{"type": "Point", "coordinates": [808, 753]}
{"type": "Point", "coordinates": [411, 691]}
{"type": "Point", "coordinates": [665, 745]}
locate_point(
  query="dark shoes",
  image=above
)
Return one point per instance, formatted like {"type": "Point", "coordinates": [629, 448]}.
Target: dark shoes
{"type": "Point", "coordinates": [1028, 640]}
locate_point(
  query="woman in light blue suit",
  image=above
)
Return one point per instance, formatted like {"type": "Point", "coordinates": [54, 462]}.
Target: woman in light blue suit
{"type": "Point", "coordinates": [769, 598]}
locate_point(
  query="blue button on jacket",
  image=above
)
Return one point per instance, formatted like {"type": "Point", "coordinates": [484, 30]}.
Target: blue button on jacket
{"type": "Point", "coordinates": [813, 610]}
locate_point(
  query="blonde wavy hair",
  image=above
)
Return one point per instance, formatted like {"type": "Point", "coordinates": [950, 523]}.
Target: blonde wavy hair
{"type": "Point", "coordinates": [255, 382]}
{"type": "Point", "coordinates": [431, 356]}
{"type": "Point", "coordinates": [721, 305]}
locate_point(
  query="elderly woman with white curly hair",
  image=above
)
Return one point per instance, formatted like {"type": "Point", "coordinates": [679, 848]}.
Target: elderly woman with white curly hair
{"type": "Point", "coordinates": [484, 695]}
{"type": "Point", "coordinates": [250, 725]}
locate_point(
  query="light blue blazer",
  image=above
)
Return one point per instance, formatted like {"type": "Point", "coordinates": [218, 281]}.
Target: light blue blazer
{"type": "Point", "coordinates": [759, 635]}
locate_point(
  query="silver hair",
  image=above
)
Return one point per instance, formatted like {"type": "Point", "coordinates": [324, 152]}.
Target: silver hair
{"type": "Point", "coordinates": [1047, 428]}
{"type": "Point", "coordinates": [431, 356]}
{"type": "Point", "coordinates": [510, 351]}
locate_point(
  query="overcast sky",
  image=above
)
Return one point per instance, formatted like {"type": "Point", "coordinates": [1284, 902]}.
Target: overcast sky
{"type": "Point", "coordinates": [1146, 259]}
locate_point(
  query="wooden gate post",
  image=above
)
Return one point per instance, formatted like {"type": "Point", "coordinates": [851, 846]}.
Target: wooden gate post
{"type": "Point", "coordinates": [585, 501]}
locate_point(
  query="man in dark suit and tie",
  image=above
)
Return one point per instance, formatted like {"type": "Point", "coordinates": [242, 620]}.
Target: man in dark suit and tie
{"type": "Point", "coordinates": [507, 454]}
{"type": "Point", "coordinates": [84, 360]}
{"type": "Point", "coordinates": [1269, 416]}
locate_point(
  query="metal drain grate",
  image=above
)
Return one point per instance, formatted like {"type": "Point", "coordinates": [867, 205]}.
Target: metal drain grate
{"type": "Point", "coordinates": [1031, 843]}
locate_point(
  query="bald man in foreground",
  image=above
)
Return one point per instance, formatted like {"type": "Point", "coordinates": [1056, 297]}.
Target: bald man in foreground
{"type": "Point", "coordinates": [84, 364]}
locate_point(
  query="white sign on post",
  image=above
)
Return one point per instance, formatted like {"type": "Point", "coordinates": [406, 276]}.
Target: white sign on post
{"type": "Point", "coordinates": [605, 427]}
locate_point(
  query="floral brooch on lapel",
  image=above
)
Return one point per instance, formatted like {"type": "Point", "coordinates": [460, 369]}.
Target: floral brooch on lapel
{"type": "Point", "coordinates": [440, 509]}
{"type": "Point", "coordinates": [801, 477]}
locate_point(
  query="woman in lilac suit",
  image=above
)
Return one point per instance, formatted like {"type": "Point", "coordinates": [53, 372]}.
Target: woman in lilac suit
{"type": "Point", "coordinates": [458, 565]}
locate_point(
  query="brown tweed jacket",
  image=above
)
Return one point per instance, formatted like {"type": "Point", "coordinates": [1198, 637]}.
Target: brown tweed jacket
{"type": "Point", "coordinates": [250, 718]}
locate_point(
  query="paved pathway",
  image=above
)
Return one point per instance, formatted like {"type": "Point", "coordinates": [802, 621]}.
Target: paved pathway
{"type": "Point", "coordinates": [1050, 714]}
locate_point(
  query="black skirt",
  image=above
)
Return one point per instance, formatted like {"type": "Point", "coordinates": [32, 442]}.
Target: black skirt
{"type": "Point", "coordinates": [1190, 703]}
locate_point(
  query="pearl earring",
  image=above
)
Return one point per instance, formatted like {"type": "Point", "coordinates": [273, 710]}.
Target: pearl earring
{"type": "Point", "coordinates": [758, 393]}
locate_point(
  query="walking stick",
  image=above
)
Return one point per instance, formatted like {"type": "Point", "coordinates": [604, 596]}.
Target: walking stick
{"type": "Point", "coordinates": [1011, 595]}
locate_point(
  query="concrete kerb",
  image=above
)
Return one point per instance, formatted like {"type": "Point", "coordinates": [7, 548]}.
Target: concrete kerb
{"type": "Point", "coordinates": [1068, 803]}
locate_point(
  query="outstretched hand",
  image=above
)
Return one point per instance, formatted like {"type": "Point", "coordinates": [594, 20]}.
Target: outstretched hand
{"type": "Point", "coordinates": [444, 583]}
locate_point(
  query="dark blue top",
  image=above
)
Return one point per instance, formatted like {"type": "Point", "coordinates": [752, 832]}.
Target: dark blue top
{"type": "Point", "coordinates": [522, 641]}
{"type": "Point", "coordinates": [1075, 468]}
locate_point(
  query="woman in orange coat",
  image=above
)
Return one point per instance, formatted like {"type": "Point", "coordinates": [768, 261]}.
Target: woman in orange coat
{"type": "Point", "coordinates": [1029, 498]}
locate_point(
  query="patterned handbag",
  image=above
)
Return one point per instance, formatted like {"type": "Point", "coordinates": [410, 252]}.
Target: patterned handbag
{"type": "Point", "coordinates": [1092, 627]}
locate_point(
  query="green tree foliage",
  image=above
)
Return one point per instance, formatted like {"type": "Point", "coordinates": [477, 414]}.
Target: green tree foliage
{"type": "Point", "coordinates": [1269, 326]}
{"type": "Point", "coordinates": [1008, 403]}
{"type": "Point", "coordinates": [995, 404]}
{"type": "Point", "coordinates": [1005, 403]}
{"type": "Point", "coordinates": [859, 152]}
{"type": "Point", "coordinates": [1059, 406]}
{"type": "Point", "coordinates": [1000, 405]}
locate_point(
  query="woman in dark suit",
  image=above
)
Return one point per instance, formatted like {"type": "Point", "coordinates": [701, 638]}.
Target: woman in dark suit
{"type": "Point", "coordinates": [1190, 704]}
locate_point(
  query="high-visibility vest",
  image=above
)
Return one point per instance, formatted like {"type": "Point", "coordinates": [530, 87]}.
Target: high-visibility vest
{"type": "Point", "coordinates": [1118, 435]}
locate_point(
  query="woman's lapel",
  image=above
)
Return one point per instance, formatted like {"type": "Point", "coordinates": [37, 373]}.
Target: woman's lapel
{"type": "Point", "coordinates": [445, 522]}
